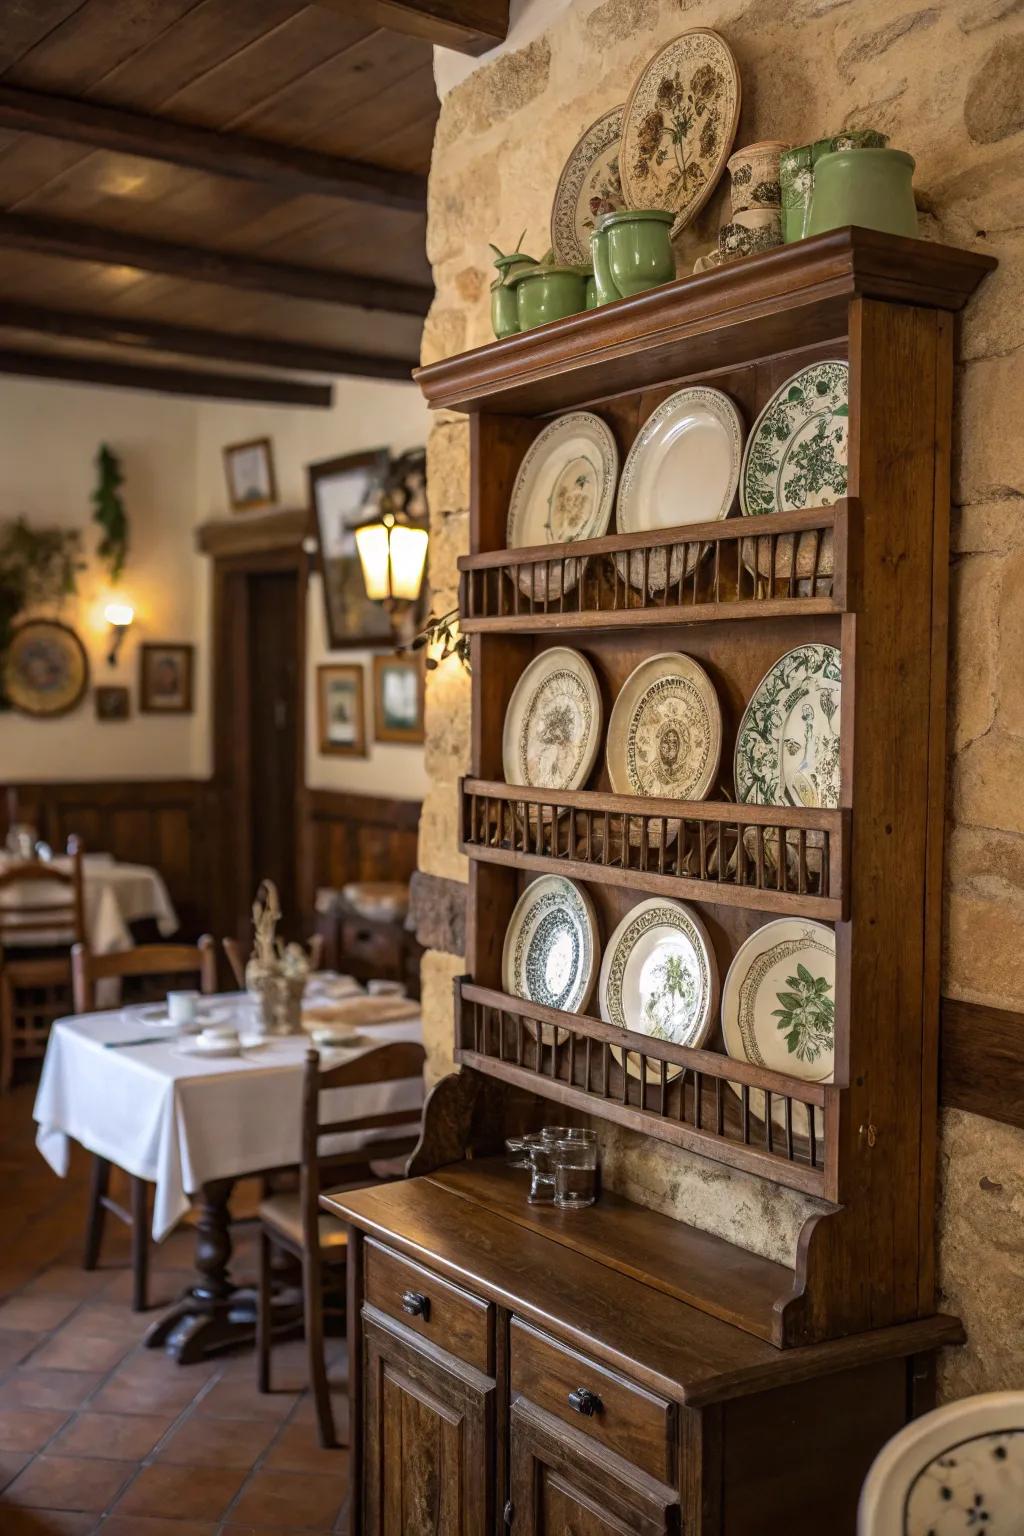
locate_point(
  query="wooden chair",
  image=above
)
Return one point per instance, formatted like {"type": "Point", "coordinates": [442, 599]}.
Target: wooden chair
{"type": "Point", "coordinates": [236, 957]}
{"type": "Point", "coordinates": [295, 1222]}
{"type": "Point", "coordinates": [37, 930]}
{"type": "Point", "coordinates": [149, 960]}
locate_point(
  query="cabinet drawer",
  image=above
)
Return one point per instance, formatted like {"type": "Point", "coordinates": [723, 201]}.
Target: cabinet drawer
{"type": "Point", "coordinates": [626, 1418]}
{"type": "Point", "coordinates": [373, 944]}
{"type": "Point", "coordinates": [450, 1317]}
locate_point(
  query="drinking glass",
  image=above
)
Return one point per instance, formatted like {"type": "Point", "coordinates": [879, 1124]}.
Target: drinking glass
{"type": "Point", "coordinates": [574, 1158]}
{"type": "Point", "coordinates": [542, 1176]}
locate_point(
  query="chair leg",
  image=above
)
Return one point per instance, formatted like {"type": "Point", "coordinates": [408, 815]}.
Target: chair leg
{"type": "Point", "coordinates": [6, 1035]}
{"type": "Point", "coordinates": [140, 1244]}
{"type": "Point", "coordinates": [263, 1316]}
{"type": "Point", "coordinates": [313, 1309]}
{"type": "Point", "coordinates": [99, 1183]}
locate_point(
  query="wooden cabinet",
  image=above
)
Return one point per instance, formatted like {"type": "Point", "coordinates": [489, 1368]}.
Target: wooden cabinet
{"type": "Point", "coordinates": [428, 1439]}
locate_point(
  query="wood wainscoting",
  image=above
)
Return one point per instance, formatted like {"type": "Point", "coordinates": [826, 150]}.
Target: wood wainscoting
{"type": "Point", "coordinates": [357, 837]}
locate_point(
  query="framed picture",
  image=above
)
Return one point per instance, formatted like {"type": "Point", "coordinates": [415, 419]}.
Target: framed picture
{"type": "Point", "coordinates": [249, 468]}
{"type": "Point", "coordinates": [112, 703]}
{"type": "Point", "coordinates": [165, 683]}
{"type": "Point", "coordinates": [46, 670]}
{"type": "Point", "coordinates": [344, 493]}
{"type": "Point", "coordinates": [398, 698]}
{"type": "Point", "coordinates": [341, 710]}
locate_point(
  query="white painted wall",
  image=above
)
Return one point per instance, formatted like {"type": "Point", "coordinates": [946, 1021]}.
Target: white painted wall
{"type": "Point", "coordinates": [527, 20]}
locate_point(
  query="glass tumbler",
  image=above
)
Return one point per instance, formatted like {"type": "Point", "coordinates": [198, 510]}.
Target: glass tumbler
{"type": "Point", "coordinates": [542, 1174]}
{"type": "Point", "coordinates": [575, 1168]}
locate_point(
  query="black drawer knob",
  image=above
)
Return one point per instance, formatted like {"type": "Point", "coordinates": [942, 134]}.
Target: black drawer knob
{"type": "Point", "coordinates": [416, 1304]}
{"type": "Point", "coordinates": [586, 1402]}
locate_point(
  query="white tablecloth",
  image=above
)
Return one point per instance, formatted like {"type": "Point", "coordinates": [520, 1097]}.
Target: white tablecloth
{"type": "Point", "coordinates": [182, 1122]}
{"type": "Point", "coordinates": [115, 895]}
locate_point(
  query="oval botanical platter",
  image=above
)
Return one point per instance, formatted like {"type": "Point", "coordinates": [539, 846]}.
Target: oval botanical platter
{"type": "Point", "coordinates": [553, 722]}
{"type": "Point", "coordinates": [563, 492]}
{"type": "Point", "coordinates": [679, 124]}
{"type": "Point", "coordinates": [588, 187]}
{"type": "Point", "coordinates": [683, 468]}
{"type": "Point", "coordinates": [551, 945]}
{"type": "Point", "coordinates": [778, 1002]}
{"type": "Point", "coordinates": [659, 978]}
{"type": "Point", "coordinates": [796, 456]}
{"type": "Point", "coordinates": [665, 731]}
{"type": "Point", "coordinates": [787, 746]}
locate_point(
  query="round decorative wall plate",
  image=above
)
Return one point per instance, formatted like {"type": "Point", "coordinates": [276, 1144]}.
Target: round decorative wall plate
{"type": "Point", "coordinates": [683, 468]}
{"type": "Point", "coordinates": [679, 124]}
{"type": "Point", "coordinates": [778, 1002]}
{"type": "Point", "coordinates": [787, 746]}
{"type": "Point", "coordinates": [796, 454]}
{"type": "Point", "coordinates": [659, 978]}
{"type": "Point", "coordinates": [588, 187]}
{"type": "Point", "coordinates": [665, 731]}
{"type": "Point", "coordinates": [46, 669]}
{"type": "Point", "coordinates": [551, 945]}
{"type": "Point", "coordinates": [563, 492]}
{"type": "Point", "coordinates": [553, 722]}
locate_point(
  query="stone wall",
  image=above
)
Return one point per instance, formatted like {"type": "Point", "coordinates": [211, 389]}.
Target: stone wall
{"type": "Point", "coordinates": [946, 81]}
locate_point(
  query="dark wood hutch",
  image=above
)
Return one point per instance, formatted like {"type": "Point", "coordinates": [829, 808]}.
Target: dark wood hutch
{"type": "Point", "coordinates": [615, 1370]}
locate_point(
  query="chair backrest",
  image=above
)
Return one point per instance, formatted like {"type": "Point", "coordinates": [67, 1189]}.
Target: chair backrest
{"type": "Point", "coordinates": [146, 960]}
{"type": "Point", "coordinates": [401, 1059]}
{"type": "Point", "coordinates": [942, 1470]}
{"type": "Point", "coordinates": [38, 900]}
{"type": "Point", "coordinates": [236, 958]}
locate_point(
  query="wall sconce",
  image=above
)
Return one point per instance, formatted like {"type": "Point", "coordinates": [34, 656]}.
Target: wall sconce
{"type": "Point", "coordinates": [119, 616]}
{"type": "Point", "coordinates": [393, 556]}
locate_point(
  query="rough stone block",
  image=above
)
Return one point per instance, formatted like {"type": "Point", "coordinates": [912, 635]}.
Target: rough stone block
{"type": "Point", "coordinates": [437, 972]}
{"type": "Point", "coordinates": [974, 606]}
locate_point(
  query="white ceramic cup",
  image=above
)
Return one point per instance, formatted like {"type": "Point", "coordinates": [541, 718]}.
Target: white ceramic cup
{"type": "Point", "coordinates": [218, 1035]}
{"type": "Point", "coordinates": [182, 1008]}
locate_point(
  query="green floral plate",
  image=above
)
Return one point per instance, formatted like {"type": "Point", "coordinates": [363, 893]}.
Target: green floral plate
{"type": "Point", "coordinates": [778, 1002]}
{"type": "Point", "coordinates": [787, 746]}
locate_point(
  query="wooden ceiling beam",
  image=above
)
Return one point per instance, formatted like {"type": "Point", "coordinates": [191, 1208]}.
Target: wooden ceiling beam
{"type": "Point", "coordinates": [469, 26]}
{"type": "Point", "coordinates": [167, 381]}
{"type": "Point", "coordinates": [294, 172]}
{"type": "Point", "coordinates": [224, 346]}
{"type": "Point", "coordinates": [228, 269]}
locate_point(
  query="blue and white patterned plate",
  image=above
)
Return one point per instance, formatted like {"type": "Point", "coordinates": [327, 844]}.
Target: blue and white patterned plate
{"type": "Point", "coordinates": [551, 946]}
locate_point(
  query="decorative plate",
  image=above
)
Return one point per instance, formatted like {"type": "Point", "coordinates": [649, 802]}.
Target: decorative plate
{"type": "Point", "coordinates": [975, 1484]}
{"type": "Point", "coordinates": [683, 468]}
{"type": "Point", "coordinates": [679, 124]}
{"type": "Point", "coordinates": [659, 978]}
{"type": "Point", "coordinates": [553, 722]}
{"type": "Point", "coordinates": [563, 492]}
{"type": "Point", "coordinates": [550, 952]}
{"type": "Point", "coordinates": [778, 1003]}
{"type": "Point", "coordinates": [787, 746]}
{"type": "Point", "coordinates": [46, 669]}
{"type": "Point", "coordinates": [665, 732]}
{"type": "Point", "coordinates": [588, 187]}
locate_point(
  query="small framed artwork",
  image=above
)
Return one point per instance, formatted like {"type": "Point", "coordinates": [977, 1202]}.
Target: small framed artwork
{"type": "Point", "coordinates": [341, 710]}
{"type": "Point", "coordinates": [249, 468]}
{"type": "Point", "coordinates": [345, 493]}
{"type": "Point", "coordinates": [112, 703]}
{"type": "Point", "coordinates": [398, 698]}
{"type": "Point", "coordinates": [165, 683]}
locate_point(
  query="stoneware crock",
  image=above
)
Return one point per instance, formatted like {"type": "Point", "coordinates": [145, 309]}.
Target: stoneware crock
{"type": "Point", "coordinates": [632, 251]}
{"type": "Point", "coordinates": [869, 187]}
{"type": "Point", "coordinates": [548, 293]}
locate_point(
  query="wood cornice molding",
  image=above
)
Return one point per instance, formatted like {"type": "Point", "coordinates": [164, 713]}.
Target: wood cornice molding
{"type": "Point", "coordinates": [259, 534]}
{"type": "Point", "coordinates": [228, 269]}
{"type": "Point", "coordinates": [165, 381]}
{"type": "Point", "coordinates": [468, 26]}
{"type": "Point", "coordinates": [296, 172]}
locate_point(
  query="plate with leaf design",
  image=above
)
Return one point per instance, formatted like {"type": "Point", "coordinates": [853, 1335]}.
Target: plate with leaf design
{"type": "Point", "coordinates": [679, 124]}
{"type": "Point", "coordinates": [788, 744]}
{"type": "Point", "coordinates": [551, 947]}
{"type": "Point", "coordinates": [659, 978]}
{"type": "Point", "coordinates": [778, 1002]}
{"type": "Point", "coordinates": [563, 492]}
{"type": "Point", "coordinates": [588, 187]}
{"type": "Point", "coordinates": [553, 722]}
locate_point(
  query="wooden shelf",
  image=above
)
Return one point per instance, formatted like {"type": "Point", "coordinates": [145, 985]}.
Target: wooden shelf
{"type": "Point", "coordinates": [698, 850]}
{"type": "Point", "coordinates": [793, 563]}
{"type": "Point", "coordinates": [762, 1122]}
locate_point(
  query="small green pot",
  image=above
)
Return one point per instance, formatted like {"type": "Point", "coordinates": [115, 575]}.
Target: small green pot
{"type": "Point", "coordinates": [869, 187]}
{"type": "Point", "coordinates": [504, 310]}
{"type": "Point", "coordinates": [548, 293]}
{"type": "Point", "coordinates": [632, 251]}
{"type": "Point", "coordinates": [796, 174]}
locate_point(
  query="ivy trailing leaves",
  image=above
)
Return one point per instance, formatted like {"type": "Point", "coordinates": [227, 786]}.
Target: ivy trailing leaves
{"type": "Point", "coordinates": [109, 512]}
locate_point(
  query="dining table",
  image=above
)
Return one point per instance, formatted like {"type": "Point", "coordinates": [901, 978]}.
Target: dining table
{"type": "Point", "coordinates": [128, 1089]}
{"type": "Point", "coordinates": [115, 894]}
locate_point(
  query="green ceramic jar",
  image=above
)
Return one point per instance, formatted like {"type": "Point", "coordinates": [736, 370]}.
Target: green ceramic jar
{"type": "Point", "coordinates": [632, 251]}
{"type": "Point", "coordinates": [796, 174]}
{"type": "Point", "coordinates": [548, 293]}
{"type": "Point", "coordinates": [869, 187]}
{"type": "Point", "coordinates": [504, 310]}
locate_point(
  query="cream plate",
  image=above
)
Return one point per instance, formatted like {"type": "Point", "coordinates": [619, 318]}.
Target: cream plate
{"type": "Point", "coordinates": [219, 1052]}
{"type": "Point", "coordinates": [778, 1003]}
{"type": "Point", "coordinates": [679, 124]}
{"type": "Point", "coordinates": [659, 978]}
{"type": "Point", "coordinates": [563, 492]}
{"type": "Point", "coordinates": [682, 468]}
{"type": "Point", "coordinates": [588, 187]}
{"type": "Point", "coordinates": [157, 1017]}
{"type": "Point", "coordinates": [553, 722]}
{"type": "Point", "coordinates": [550, 951]}
{"type": "Point", "coordinates": [788, 746]}
{"type": "Point", "coordinates": [665, 732]}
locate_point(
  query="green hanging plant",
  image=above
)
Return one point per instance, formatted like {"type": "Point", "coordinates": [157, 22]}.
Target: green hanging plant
{"type": "Point", "coordinates": [110, 513]}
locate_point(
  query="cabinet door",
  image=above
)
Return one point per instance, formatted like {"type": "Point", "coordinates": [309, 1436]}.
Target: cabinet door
{"type": "Point", "coordinates": [563, 1484]}
{"type": "Point", "coordinates": [428, 1438]}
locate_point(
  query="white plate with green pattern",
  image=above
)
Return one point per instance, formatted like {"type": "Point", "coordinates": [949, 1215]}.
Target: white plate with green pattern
{"type": "Point", "coordinates": [563, 492]}
{"type": "Point", "coordinates": [778, 1002]}
{"type": "Point", "coordinates": [551, 946]}
{"type": "Point", "coordinates": [788, 746]}
{"type": "Point", "coordinates": [659, 978]}
{"type": "Point", "coordinates": [553, 722]}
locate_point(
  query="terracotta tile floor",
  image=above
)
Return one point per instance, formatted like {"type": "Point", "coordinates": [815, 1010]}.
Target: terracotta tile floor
{"type": "Point", "coordinates": [99, 1434]}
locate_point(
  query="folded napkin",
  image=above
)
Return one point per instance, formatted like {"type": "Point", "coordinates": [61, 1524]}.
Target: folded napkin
{"type": "Point", "coordinates": [361, 1010]}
